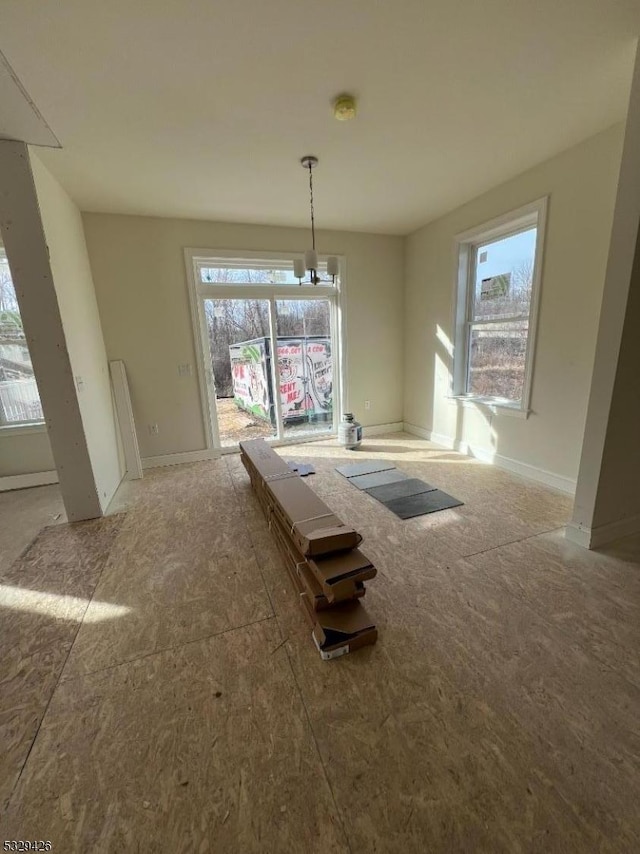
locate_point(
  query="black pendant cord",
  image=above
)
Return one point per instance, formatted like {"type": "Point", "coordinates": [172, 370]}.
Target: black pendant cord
{"type": "Point", "coordinates": [313, 226]}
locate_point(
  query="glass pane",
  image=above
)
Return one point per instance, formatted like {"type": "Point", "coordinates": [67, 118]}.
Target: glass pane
{"type": "Point", "coordinates": [504, 276]}
{"type": "Point", "coordinates": [306, 365]}
{"type": "Point", "coordinates": [19, 398]}
{"type": "Point", "coordinates": [239, 345]}
{"type": "Point", "coordinates": [497, 354]}
{"type": "Point", "coordinates": [253, 276]}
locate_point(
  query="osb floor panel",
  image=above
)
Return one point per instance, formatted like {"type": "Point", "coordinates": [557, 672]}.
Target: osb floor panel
{"type": "Point", "coordinates": [167, 696]}
{"type": "Point", "coordinates": [28, 510]}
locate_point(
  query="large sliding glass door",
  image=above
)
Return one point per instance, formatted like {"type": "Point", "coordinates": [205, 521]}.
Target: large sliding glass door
{"type": "Point", "coordinates": [270, 352]}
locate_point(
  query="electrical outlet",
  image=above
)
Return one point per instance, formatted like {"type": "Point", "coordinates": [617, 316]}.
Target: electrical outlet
{"type": "Point", "coordinates": [184, 370]}
{"type": "Point", "coordinates": [367, 404]}
{"type": "Point", "coordinates": [154, 429]}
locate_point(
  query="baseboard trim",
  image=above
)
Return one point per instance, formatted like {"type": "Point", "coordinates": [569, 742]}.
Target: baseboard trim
{"type": "Point", "coordinates": [548, 478]}
{"type": "Point", "coordinates": [414, 430]}
{"type": "Point", "coordinates": [593, 538]}
{"type": "Point", "coordinates": [199, 456]}
{"type": "Point", "coordinates": [24, 481]}
{"type": "Point", "coordinates": [578, 534]}
{"type": "Point", "coordinates": [178, 459]}
{"type": "Point", "coordinates": [380, 429]}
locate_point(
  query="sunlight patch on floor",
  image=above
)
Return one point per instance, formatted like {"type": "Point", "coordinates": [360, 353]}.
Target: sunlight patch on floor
{"type": "Point", "coordinates": [57, 606]}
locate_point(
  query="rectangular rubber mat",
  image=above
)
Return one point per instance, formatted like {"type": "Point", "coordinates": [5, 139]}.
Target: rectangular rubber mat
{"type": "Point", "coordinates": [421, 504]}
{"type": "Point", "coordinates": [378, 478]}
{"type": "Point", "coordinates": [400, 489]}
{"type": "Point", "coordinates": [354, 469]}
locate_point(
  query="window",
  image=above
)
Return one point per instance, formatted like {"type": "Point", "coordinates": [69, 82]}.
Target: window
{"type": "Point", "coordinates": [236, 271]}
{"type": "Point", "coordinates": [497, 294]}
{"type": "Point", "coordinates": [19, 398]}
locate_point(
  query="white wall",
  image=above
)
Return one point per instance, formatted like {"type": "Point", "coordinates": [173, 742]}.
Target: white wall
{"type": "Point", "coordinates": [140, 279]}
{"type": "Point", "coordinates": [25, 452]}
{"type": "Point", "coordinates": [581, 185]}
{"type": "Point", "coordinates": [607, 502]}
{"type": "Point", "coordinates": [618, 495]}
{"type": "Point", "coordinates": [82, 330]}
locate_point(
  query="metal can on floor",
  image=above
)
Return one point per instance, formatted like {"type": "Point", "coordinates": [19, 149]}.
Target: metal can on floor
{"type": "Point", "coordinates": [349, 432]}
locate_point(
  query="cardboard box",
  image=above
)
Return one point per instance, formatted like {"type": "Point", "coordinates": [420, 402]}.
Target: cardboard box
{"type": "Point", "coordinates": [338, 627]}
{"type": "Point", "coordinates": [316, 595]}
{"type": "Point", "coordinates": [276, 469]}
{"type": "Point", "coordinates": [303, 579]}
{"type": "Point", "coordinates": [286, 549]}
{"type": "Point", "coordinates": [341, 629]}
{"type": "Point", "coordinates": [263, 459]}
{"type": "Point", "coordinates": [312, 526]}
{"type": "Point", "coordinates": [336, 574]}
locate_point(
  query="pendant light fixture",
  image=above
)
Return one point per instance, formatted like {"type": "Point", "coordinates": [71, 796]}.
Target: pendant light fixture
{"type": "Point", "coordinates": [310, 261]}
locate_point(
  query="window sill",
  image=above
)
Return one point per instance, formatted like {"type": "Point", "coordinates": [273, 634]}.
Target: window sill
{"type": "Point", "coordinates": [19, 429]}
{"type": "Point", "coordinates": [494, 406]}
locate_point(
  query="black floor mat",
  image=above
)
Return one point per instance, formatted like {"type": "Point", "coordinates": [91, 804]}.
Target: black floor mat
{"type": "Point", "coordinates": [400, 489]}
{"type": "Point", "coordinates": [421, 504]}
{"type": "Point", "coordinates": [378, 478]}
{"type": "Point", "coordinates": [403, 495]}
{"type": "Point", "coordinates": [370, 467]}
{"type": "Point", "coordinates": [303, 469]}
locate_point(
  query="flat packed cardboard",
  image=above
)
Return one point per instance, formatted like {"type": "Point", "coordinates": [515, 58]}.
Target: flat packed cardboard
{"type": "Point", "coordinates": [280, 538]}
{"type": "Point", "coordinates": [299, 520]}
{"type": "Point", "coordinates": [316, 595]}
{"type": "Point", "coordinates": [341, 629]}
{"type": "Point", "coordinates": [311, 525]}
{"type": "Point", "coordinates": [264, 459]}
{"type": "Point", "coordinates": [303, 579]}
{"type": "Point", "coordinates": [337, 573]}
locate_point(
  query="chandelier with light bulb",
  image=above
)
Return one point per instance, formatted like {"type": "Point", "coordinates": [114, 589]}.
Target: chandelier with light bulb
{"type": "Point", "coordinates": [309, 264]}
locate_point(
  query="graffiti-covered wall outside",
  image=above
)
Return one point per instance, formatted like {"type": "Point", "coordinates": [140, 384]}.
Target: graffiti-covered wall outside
{"type": "Point", "coordinates": [251, 377]}
{"type": "Point", "coordinates": [306, 378]}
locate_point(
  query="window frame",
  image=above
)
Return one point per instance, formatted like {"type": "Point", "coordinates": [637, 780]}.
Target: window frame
{"type": "Point", "coordinates": [513, 222]}
{"type": "Point", "coordinates": [197, 258]}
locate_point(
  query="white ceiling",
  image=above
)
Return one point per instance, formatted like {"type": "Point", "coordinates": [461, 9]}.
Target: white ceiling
{"type": "Point", "coordinates": [202, 108]}
{"type": "Point", "coordinates": [19, 116]}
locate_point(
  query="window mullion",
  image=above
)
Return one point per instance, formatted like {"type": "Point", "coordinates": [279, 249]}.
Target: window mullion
{"type": "Point", "coordinates": [513, 318]}
{"type": "Point", "coordinates": [471, 284]}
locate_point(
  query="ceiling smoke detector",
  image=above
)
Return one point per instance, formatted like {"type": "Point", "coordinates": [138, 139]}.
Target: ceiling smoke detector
{"type": "Point", "coordinates": [344, 107]}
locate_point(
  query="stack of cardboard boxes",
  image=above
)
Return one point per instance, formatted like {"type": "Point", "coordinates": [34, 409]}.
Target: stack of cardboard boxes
{"type": "Point", "coordinates": [321, 554]}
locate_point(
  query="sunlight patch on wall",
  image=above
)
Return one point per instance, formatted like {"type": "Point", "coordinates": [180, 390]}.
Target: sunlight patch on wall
{"type": "Point", "coordinates": [444, 339]}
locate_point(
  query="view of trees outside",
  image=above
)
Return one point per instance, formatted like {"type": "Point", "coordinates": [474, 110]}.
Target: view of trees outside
{"type": "Point", "coordinates": [244, 276]}
{"type": "Point", "coordinates": [303, 317]}
{"type": "Point", "coordinates": [19, 398]}
{"type": "Point", "coordinates": [237, 276]}
{"type": "Point", "coordinates": [239, 342]}
{"type": "Point", "coordinates": [500, 317]}
{"type": "Point", "coordinates": [232, 321]}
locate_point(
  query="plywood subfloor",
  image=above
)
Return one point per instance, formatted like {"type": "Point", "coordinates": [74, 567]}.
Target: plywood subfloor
{"type": "Point", "coordinates": [24, 512]}
{"type": "Point", "coordinates": [164, 694]}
